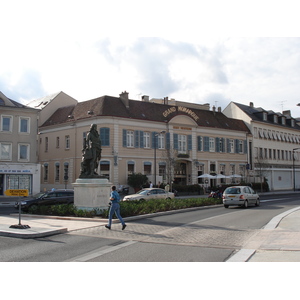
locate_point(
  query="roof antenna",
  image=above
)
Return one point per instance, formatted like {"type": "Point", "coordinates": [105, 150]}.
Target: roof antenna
{"type": "Point", "coordinates": [282, 104]}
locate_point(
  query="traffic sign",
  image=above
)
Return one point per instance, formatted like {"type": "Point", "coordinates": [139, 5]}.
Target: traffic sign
{"type": "Point", "coordinates": [16, 193]}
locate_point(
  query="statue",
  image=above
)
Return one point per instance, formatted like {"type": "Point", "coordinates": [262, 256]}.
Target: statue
{"type": "Point", "coordinates": [91, 154]}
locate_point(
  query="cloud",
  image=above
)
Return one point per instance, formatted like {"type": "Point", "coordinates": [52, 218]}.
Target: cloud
{"type": "Point", "coordinates": [26, 86]}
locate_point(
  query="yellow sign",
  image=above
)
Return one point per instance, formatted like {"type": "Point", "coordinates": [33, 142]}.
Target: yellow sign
{"type": "Point", "coordinates": [16, 193]}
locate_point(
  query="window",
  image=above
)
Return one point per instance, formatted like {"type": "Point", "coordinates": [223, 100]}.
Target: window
{"type": "Point", "coordinates": [265, 116]}
{"type": "Point", "coordinates": [57, 172]}
{"type": "Point", "coordinates": [67, 142]}
{"type": "Point", "coordinates": [5, 151]}
{"type": "Point", "coordinates": [147, 168]}
{"type": "Point", "coordinates": [231, 146]}
{"type": "Point", "coordinates": [57, 142]}
{"type": "Point", "coordinates": [241, 146]}
{"type": "Point", "coordinates": [211, 144]}
{"type": "Point", "coordinates": [104, 168]}
{"type": "Point", "coordinates": [182, 143]}
{"type": "Point", "coordinates": [24, 125]}
{"type": "Point", "coordinates": [6, 123]}
{"type": "Point", "coordinates": [104, 136]}
{"type": "Point", "coordinates": [46, 172]}
{"type": "Point", "coordinates": [146, 139]}
{"type": "Point", "coordinates": [200, 144]}
{"type": "Point", "coordinates": [221, 145]}
{"type": "Point", "coordinates": [161, 141]}
{"type": "Point", "coordinates": [66, 171]}
{"type": "Point", "coordinates": [23, 152]}
{"type": "Point", "coordinates": [130, 167]}
{"type": "Point", "coordinates": [275, 119]}
{"type": "Point", "coordinates": [162, 170]}
{"type": "Point", "coordinates": [129, 138]}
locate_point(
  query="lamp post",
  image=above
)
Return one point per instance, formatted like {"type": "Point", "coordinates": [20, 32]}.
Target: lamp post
{"type": "Point", "coordinates": [294, 177]}
{"type": "Point", "coordinates": [155, 146]}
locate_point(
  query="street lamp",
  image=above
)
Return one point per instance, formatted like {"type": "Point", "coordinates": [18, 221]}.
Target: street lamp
{"type": "Point", "coordinates": [294, 177]}
{"type": "Point", "coordinates": [155, 146]}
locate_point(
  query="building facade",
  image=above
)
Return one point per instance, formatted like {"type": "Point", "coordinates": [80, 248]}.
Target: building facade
{"type": "Point", "coordinates": [19, 167]}
{"type": "Point", "coordinates": [274, 150]}
{"type": "Point", "coordinates": [167, 140]}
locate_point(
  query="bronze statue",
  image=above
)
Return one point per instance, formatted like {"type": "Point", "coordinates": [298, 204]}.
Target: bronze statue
{"type": "Point", "coordinates": [91, 154]}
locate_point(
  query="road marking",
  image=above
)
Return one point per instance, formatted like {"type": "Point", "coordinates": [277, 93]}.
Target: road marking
{"type": "Point", "coordinates": [242, 255]}
{"type": "Point", "coordinates": [100, 252]}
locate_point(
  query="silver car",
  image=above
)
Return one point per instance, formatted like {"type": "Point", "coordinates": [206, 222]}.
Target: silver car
{"type": "Point", "coordinates": [241, 196]}
{"type": "Point", "coordinates": [150, 193]}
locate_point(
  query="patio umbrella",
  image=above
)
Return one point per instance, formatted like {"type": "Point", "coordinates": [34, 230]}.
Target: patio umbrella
{"type": "Point", "coordinates": [206, 176]}
{"type": "Point", "coordinates": [220, 176]}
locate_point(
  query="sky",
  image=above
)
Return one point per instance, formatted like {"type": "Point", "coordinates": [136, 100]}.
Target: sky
{"type": "Point", "coordinates": [195, 51]}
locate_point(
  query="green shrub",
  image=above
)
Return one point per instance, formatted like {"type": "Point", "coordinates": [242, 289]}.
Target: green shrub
{"type": "Point", "coordinates": [133, 208]}
{"type": "Point", "coordinates": [128, 208]}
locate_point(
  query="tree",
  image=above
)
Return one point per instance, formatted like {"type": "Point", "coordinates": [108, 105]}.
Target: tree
{"type": "Point", "coordinates": [137, 180]}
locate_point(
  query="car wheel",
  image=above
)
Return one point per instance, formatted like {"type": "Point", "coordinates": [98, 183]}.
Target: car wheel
{"type": "Point", "coordinates": [257, 203]}
{"type": "Point", "coordinates": [246, 204]}
{"type": "Point", "coordinates": [226, 206]}
{"type": "Point", "coordinates": [168, 198]}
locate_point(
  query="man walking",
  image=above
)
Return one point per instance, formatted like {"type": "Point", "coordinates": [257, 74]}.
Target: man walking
{"type": "Point", "coordinates": [114, 208]}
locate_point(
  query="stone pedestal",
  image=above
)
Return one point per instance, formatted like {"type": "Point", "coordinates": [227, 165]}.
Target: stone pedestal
{"type": "Point", "coordinates": [91, 193]}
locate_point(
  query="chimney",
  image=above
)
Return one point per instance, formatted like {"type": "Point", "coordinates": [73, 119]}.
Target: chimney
{"type": "Point", "coordinates": [219, 109]}
{"type": "Point", "coordinates": [287, 113]}
{"type": "Point", "coordinates": [251, 104]}
{"type": "Point", "coordinates": [145, 98]}
{"type": "Point", "coordinates": [124, 98]}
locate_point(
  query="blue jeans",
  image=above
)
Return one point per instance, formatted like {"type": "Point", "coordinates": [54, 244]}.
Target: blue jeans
{"type": "Point", "coordinates": [115, 208]}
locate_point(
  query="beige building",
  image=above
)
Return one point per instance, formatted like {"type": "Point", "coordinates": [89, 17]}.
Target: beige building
{"type": "Point", "coordinates": [274, 150]}
{"type": "Point", "coordinates": [19, 167]}
{"type": "Point", "coordinates": [167, 140]}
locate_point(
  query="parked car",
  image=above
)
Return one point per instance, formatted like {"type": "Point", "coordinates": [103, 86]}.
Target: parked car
{"type": "Point", "coordinates": [241, 196]}
{"type": "Point", "coordinates": [150, 193]}
{"type": "Point", "coordinates": [47, 198]}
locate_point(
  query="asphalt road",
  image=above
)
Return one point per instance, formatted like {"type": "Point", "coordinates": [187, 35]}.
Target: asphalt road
{"type": "Point", "coordinates": [203, 235]}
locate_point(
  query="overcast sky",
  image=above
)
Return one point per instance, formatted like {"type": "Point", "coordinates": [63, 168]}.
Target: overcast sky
{"type": "Point", "coordinates": [212, 53]}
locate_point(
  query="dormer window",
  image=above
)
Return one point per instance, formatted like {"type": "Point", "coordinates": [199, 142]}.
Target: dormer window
{"type": "Point", "coordinates": [283, 120]}
{"type": "Point", "coordinates": [293, 123]}
{"type": "Point", "coordinates": [265, 116]}
{"type": "Point", "coordinates": [275, 119]}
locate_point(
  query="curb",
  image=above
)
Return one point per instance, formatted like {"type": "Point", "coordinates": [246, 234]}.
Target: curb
{"type": "Point", "coordinates": [244, 255]}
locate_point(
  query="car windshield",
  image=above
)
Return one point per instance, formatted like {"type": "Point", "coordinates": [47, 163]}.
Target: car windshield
{"type": "Point", "coordinates": [143, 192]}
{"type": "Point", "coordinates": [38, 195]}
{"type": "Point", "coordinates": [233, 191]}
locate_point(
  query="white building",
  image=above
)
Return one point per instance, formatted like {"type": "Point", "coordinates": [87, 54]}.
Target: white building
{"type": "Point", "coordinates": [273, 152]}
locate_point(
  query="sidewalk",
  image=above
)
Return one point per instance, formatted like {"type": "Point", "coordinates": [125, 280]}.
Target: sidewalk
{"type": "Point", "coordinates": [278, 241]}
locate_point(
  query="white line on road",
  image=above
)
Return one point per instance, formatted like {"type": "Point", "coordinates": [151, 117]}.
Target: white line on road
{"type": "Point", "coordinates": [96, 253]}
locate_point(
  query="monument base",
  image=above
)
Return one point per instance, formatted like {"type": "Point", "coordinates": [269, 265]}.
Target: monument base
{"type": "Point", "coordinates": [92, 193]}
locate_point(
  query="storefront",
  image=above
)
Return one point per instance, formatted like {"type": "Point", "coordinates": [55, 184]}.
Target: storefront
{"type": "Point", "coordinates": [20, 176]}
